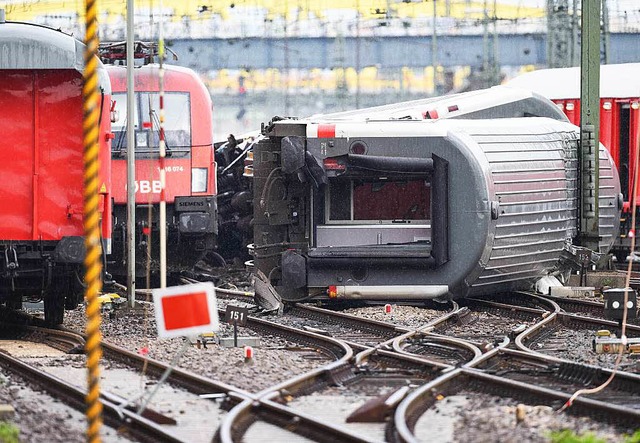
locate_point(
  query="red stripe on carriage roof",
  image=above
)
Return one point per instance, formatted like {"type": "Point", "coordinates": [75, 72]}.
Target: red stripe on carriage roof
{"type": "Point", "coordinates": [326, 131]}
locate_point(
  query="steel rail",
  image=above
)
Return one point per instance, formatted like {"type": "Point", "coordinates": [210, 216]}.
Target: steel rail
{"type": "Point", "coordinates": [536, 330]}
{"type": "Point", "coordinates": [74, 396]}
{"type": "Point", "coordinates": [248, 412]}
{"type": "Point", "coordinates": [624, 381]}
{"type": "Point", "coordinates": [179, 377]}
{"type": "Point", "coordinates": [340, 371]}
{"type": "Point", "coordinates": [463, 345]}
{"type": "Point", "coordinates": [414, 405]}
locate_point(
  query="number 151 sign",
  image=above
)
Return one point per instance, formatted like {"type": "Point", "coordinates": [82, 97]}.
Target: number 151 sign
{"type": "Point", "coordinates": [236, 315]}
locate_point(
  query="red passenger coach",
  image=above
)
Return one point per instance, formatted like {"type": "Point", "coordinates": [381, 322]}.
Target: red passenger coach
{"type": "Point", "coordinates": [189, 164]}
{"type": "Point", "coordinates": [41, 167]}
{"type": "Point", "coordinates": [619, 120]}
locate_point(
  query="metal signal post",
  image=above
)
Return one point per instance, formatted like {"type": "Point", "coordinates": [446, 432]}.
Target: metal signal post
{"type": "Point", "coordinates": [163, 154]}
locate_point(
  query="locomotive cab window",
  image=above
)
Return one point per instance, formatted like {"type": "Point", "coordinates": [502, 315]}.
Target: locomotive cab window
{"type": "Point", "coordinates": [177, 124]}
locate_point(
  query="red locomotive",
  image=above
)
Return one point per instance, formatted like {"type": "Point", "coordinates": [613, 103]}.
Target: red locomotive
{"type": "Point", "coordinates": [619, 120]}
{"type": "Point", "coordinates": [41, 165]}
{"type": "Point", "coordinates": [189, 164]}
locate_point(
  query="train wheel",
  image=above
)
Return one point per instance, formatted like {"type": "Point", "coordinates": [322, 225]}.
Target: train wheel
{"type": "Point", "coordinates": [53, 310]}
{"type": "Point", "coordinates": [75, 291]}
{"type": "Point", "coordinates": [54, 302]}
{"type": "Point", "coordinates": [214, 259]}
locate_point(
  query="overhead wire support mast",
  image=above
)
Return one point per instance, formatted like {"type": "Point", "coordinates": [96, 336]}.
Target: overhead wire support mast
{"type": "Point", "coordinates": [589, 235]}
{"type": "Point", "coordinates": [434, 49]}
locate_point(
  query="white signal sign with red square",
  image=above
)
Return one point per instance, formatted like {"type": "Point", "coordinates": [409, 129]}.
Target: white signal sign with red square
{"type": "Point", "coordinates": [186, 310]}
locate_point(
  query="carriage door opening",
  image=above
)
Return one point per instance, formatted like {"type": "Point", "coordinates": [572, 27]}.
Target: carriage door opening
{"type": "Point", "coordinates": [381, 211]}
{"type": "Point", "coordinates": [402, 209]}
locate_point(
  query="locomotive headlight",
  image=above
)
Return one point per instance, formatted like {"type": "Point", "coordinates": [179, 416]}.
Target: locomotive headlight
{"type": "Point", "coordinates": [199, 179]}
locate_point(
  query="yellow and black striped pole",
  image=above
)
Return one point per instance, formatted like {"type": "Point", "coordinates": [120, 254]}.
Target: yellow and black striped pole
{"type": "Point", "coordinates": [92, 261]}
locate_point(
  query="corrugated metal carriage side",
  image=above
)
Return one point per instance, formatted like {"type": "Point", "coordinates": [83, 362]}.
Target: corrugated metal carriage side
{"type": "Point", "coordinates": [533, 175]}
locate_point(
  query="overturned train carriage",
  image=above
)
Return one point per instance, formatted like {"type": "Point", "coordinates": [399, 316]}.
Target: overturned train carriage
{"type": "Point", "coordinates": [419, 209]}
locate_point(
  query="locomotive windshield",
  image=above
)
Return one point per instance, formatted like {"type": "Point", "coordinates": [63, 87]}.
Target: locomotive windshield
{"type": "Point", "coordinates": [177, 124]}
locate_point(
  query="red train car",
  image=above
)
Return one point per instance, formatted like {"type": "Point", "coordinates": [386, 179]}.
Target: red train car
{"type": "Point", "coordinates": [41, 165]}
{"type": "Point", "coordinates": [189, 164]}
{"type": "Point", "coordinates": [619, 120]}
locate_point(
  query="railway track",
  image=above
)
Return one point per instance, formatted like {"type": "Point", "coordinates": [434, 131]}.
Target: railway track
{"type": "Point", "coordinates": [465, 383]}
{"type": "Point", "coordinates": [489, 323]}
{"type": "Point", "coordinates": [385, 357]}
{"type": "Point", "coordinates": [563, 376]}
{"type": "Point", "coordinates": [569, 336]}
{"type": "Point", "coordinates": [146, 425]}
{"type": "Point", "coordinates": [501, 372]}
{"type": "Point", "coordinates": [589, 308]}
{"type": "Point", "coordinates": [514, 314]}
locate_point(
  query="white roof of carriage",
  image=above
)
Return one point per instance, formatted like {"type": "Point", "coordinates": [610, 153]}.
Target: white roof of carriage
{"type": "Point", "coordinates": [616, 81]}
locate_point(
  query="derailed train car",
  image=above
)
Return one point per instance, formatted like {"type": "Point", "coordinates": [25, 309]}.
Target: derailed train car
{"type": "Point", "coordinates": [234, 156]}
{"type": "Point", "coordinates": [495, 102]}
{"type": "Point", "coordinates": [382, 207]}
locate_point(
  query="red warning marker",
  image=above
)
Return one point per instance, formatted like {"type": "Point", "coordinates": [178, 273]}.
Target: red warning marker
{"type": "Point", "coordinates": [387, 308]}
{"type": "Point", "coordinates": [248, 353]}
{"type": "Point", "coordinates": [185, 310]}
